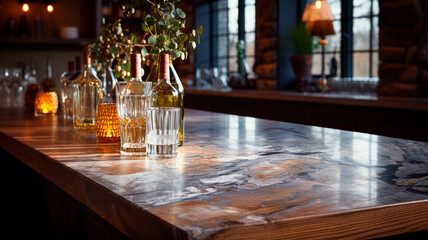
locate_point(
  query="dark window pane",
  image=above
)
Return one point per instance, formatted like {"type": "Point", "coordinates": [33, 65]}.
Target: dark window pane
{"type": "Point", "coordinates": [222, 4]}
{"type": "Point", "coordinates": [361, 29]}
{"type": "Point", "coordinates": [361, 64]}
{"type": "Point", "coordinates": [361, 8]}
{"type": "Point", "coordinates": [222, 22]}
{"type": "Point", "coordinates": [221, 47]}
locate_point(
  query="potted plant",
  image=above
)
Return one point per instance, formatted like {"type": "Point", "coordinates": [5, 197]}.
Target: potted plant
{"type": "Point", "coordinates": [301, 60]}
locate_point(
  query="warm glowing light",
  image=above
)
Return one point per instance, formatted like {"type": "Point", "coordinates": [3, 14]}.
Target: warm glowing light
{"type": "Point", "coordinates": [50, 8]}
{"type": "Point", "coordinates": [46, 103]}
{"type": "Point", "coordinates": [107, 123]}
{"type": "Point", "coordinates": [318, 4]}
{"type": "Point", "coordinates": [25, 7]}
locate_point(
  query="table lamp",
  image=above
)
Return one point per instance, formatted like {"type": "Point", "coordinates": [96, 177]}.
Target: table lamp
{"type": "Point", "coordinates": [319, 20]}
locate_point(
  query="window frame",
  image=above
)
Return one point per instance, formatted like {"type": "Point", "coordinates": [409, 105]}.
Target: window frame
{"type": "Point", "coordinates": [214, 57]}
{"type": "Point", "coordinates": [347, 36]}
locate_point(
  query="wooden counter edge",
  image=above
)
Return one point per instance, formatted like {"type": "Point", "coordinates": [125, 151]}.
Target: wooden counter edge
{"type": "Point", "coordinates": [130, 219]}
{"type": "Point", "coordinates": [364, 223]}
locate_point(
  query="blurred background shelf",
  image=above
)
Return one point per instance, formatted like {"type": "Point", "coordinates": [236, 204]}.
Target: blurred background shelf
{"type": "Point", "coordinates": [46, 43]}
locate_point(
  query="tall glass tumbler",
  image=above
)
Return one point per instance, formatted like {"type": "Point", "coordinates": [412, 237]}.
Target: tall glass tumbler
{"type": "Point", "coordinates": [162, 132]}
{"type": "Point", "coordinates": [132, 100]}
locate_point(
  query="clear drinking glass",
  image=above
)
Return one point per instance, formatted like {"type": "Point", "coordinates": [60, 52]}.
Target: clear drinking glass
{"type": "Point", "coordinates": [162, 128]}
{"type": "Point", "coordinates": [132, 99]}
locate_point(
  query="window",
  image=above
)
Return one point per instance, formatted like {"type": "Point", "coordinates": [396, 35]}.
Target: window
{"type": "Point", "coordinates": [225, 22]}
{"type": "Point", "coordinates": [356, 42]}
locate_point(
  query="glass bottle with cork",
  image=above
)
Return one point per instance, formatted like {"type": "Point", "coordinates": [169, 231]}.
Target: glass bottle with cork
{"type": "Point", "coordinates": [164, 94]}
{"type": "Point", "coordinates": [132, 100]}
{"type": "Point", "coordinates": [176, 83]}
{"type": "Point", "coordinates": [87, 94]}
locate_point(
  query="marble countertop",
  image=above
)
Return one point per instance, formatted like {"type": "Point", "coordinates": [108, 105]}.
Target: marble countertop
{"type": "Point", "coordinates": [235, 178]}
{"type": "Point", "coordinates": [346, 98]}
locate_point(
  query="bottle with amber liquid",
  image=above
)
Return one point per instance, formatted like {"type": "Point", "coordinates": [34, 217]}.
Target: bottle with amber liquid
{"type": "Point", "coordinates": [132, 101]}
{"type": "Point", "coordinates": [87, 94]}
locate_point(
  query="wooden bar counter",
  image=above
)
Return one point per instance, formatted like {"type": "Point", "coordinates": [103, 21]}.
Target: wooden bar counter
{"type": "Point", "coordinates": [234, 178]}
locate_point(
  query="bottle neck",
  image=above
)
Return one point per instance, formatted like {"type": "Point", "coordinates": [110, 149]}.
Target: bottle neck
{"type": "Point", "coordinates": [163, 70]}
{"type": "Point", "coordinates": [48, 70]}
{"type": "Point", "coordinates": [87, 70]}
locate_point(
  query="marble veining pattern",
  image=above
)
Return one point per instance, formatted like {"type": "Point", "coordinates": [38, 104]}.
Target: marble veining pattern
{"type": "Point", "coordinates": [235, 170]}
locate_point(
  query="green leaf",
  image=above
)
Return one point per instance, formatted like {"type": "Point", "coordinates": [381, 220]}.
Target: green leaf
{"type": "Point", "coordinates": [144, 52]}
{"type": "Point", "coordinates": [173, 45]}
{"type": "Point", "coordinates": [161, 38]}
{"type": "Point", "coordinates": [114, 50]}
{"type": "Point", "coordinates": [180, 13]}
{"type": "Point", "coordinates": [175, 54]}
{"type": "Point", "coordinates": [144, 27]}
{"type": "Point", "coordinates": [199, 30]}
{"type": "Point", "coordinates": [152, 40]}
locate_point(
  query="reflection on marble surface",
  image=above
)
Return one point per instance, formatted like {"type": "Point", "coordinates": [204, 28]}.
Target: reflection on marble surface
{"type": "Point", "coordinates": [238, 170]}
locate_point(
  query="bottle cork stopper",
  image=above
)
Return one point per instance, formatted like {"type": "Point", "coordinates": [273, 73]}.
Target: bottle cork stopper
{"type": "Point", "coordinates": [164, 65]}
{"type": "Point", "coordinates": [135, 65]}
{"type": "Point", "coordinates": [87, 54]}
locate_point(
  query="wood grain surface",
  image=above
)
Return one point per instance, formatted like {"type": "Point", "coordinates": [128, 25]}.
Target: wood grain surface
{"type": "Point", "coordinates": [235, 178]}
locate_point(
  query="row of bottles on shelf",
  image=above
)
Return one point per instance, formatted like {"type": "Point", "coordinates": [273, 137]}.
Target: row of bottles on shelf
{"type": "Point", "coordinates": [82, 91]}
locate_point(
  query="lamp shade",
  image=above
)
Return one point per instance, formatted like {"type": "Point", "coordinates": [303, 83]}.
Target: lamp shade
{"type": "Point", "coordinates": [317, 11]}
{"type": "Point", "coordinates": [322, 28]}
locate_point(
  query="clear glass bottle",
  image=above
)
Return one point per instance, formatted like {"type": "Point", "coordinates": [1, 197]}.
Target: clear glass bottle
{"type": "Point", "coordinates": [87, 94]}
{"type": "Point", "coordinates": [47, 83]}
{"type": "Point", "coordinates": [78, 65]}
{"type": "Point", "coordinates": [164, 94]}
{"type": "Point", "coordinates": [176, 83]}
{"type": "Point", "coordinates": [67, 92]}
